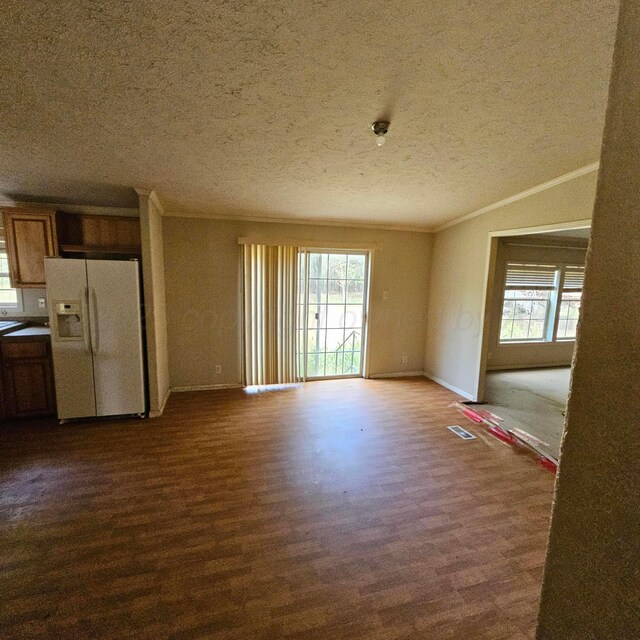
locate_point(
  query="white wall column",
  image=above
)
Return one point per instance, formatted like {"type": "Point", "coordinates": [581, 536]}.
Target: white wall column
{"type": "Point", "coordinates": [151, 212]}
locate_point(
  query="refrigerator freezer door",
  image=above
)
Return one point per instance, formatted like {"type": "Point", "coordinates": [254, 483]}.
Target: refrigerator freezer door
{"type": "Point", "coordinates": [116, 336]}
{"type": "Point", "coordinates": [70, 339]}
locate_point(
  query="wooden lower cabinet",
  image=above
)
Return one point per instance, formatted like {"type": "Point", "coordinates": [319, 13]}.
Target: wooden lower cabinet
{"type": "Point", "coordinates": [28, 378]}
{"type": "Point", "coordinates": [3, 408]}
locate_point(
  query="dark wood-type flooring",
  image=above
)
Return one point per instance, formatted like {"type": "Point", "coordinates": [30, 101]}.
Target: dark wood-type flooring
{"type": "Point", "coordinates": [334, 510]}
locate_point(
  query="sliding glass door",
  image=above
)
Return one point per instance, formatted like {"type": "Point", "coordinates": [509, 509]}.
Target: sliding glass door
{"type": "Point", "coordinates": [332, 303]}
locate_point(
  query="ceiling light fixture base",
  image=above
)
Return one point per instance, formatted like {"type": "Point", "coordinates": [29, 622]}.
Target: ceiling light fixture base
{"type": "Point", "coordinates": [380, 128]}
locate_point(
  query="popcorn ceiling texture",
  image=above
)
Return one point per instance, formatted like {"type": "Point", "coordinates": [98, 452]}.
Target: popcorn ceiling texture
{"type": "Point", "coordinates": [591, 587]}
{"type": "Point", "coordinates": [263, 107]}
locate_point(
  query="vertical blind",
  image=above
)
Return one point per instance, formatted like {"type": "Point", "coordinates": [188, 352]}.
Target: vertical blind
{"type": "Point", "coordinates": [270, 281]}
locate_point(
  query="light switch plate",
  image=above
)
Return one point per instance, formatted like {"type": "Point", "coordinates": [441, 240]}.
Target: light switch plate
{"type": "Point", "coordinates": [42, 303]}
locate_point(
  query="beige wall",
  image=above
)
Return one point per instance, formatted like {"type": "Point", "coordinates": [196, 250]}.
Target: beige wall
{"type": "Point", "coordinates": [202, 262]}
{"type": "Point", "coordinates": [543, 251]}
{"type": "Point", "coordinates": [591, 585]}
{"type": "Point", "coordinates": [30, 305]}
{"type": "Point", "coordinates": [151, 226]}
{"type": "Point", "coordinates": [459, 271]}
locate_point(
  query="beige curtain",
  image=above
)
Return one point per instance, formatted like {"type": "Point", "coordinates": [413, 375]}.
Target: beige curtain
{"type": "Point", "coordinates": [270, 285]}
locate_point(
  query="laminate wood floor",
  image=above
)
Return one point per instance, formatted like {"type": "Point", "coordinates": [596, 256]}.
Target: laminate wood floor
{"type": "Point", "coordinates": [331, 510]}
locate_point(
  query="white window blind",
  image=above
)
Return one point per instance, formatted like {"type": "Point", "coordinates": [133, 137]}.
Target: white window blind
{"type": "Point", "coordinates": [573, 278]}
{"type": "Point", "coordinates": [531, 276]}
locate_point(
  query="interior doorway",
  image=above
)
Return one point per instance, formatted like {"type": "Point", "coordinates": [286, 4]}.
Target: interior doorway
{"type": "Point", "coordinates": [333, 288]}
{"type": "Point", "coordinates": [533, 305]}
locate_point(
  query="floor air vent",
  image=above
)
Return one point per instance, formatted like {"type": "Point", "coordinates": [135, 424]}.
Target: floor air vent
{"type": "Point", "coordinates": [463, 433]}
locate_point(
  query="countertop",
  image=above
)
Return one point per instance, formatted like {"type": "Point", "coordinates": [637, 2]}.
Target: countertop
{"type": "Point", "coordinates": [7, 326]}
{"type": "Point", "coordinates": [29, 332]}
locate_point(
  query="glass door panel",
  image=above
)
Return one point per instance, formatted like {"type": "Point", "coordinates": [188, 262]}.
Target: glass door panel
{"type": "Point", "coordinates": [331, 313]}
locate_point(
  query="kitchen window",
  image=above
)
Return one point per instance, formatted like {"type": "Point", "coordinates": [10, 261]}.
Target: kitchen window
{"type": "Point", "coordinates": [541, 302]}
{"type": "Point", "coordinates": [10, 298]}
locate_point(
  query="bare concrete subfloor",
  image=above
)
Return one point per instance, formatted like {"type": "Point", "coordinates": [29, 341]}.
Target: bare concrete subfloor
{"type": "Point", "coordinates": [531, 399]}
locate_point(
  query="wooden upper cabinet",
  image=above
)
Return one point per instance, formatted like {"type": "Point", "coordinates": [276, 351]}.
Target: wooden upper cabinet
{"type": "Point", "coordinates": [112, 231]}
{"type": "Point", "coordinates": [30, 236]}
{"type": "Point", "coordinates": [98, 234]}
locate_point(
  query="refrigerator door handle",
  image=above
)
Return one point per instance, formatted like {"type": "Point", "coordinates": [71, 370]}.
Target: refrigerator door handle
{"type": "Point", "coordinates": [95, 339]}
{"type": "Point", "coordinates": [85, 320]}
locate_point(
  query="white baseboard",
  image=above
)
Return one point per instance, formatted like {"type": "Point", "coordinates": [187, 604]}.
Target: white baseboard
{"type": "Point", "coordinates": [207, 387]}
{"type": "Point", "coordinates": [397, 374]}
{"type": "Point", "coordinates": [156, 413]}
{"type": "Point", "coordinates": [378, 376]}
{"type": "Point", "coordinates": [446, 385]}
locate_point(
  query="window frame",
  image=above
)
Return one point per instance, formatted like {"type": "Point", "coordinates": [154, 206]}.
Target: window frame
{"type": "Point", "coordinates": [552, 318]}
{"type": "Point", "coordinates": [550, 302]}
{"type": "Point", "coordinates": [562, 289]}
{"type": "Point", "coordinates": [5, 308]}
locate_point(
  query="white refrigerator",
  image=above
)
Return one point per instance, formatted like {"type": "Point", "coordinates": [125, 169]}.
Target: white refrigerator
{"type": "Point", "coordinates": [96, 337]}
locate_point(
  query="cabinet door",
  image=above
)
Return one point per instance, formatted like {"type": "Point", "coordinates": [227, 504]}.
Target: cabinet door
{"type": "Point", "coordinates": [110, 231]}
{"type": "Point", "coordinates": [30, 237]}
{"type": "Point", "coordinates": [29, 387]}
{"type": "Point", "coordinates": [3, 408]}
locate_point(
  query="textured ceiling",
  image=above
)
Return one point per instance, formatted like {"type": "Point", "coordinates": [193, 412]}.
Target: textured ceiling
{"type": "Point", "coordinates": [263, 107]}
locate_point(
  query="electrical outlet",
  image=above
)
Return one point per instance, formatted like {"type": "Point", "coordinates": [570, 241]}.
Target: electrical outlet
{"type": "Point", "coordinates": [42, 303]}
{"type": "Point", "coordinates": [385, 295]}
{"type": "Point", "coordinates": [405, 359]}
{"type": "Point", "coordinates": [218, 368]}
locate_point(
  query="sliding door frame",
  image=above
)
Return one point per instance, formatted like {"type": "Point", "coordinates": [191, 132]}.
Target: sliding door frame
{"type": "Point", "coordinates": [364, 350]}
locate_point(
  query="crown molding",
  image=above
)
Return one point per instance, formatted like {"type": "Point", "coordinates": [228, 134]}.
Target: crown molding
{"type": "Point", "coordinates": [152, 195]}
{"type": "Point", "coordinates": [319, 222]}
{"type": "Point", "coordinates": [590, 168]}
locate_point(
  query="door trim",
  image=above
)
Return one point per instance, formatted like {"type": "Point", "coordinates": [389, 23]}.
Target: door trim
{"type": "Point", "coordinates": [364, 347]}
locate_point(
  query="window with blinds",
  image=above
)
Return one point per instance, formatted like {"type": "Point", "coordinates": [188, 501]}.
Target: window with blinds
{"type": "Point", "coordinates": [9, 297]}
{"type": "Point", "coordinates": [570, 303]}
{"type": "Point", "coordinates": [537, 277]}
{"type": "Point", "coordinates": [573, 279]}
{"type": "Point", "coordinates": [541, 302]}
{"type": "Point", "coordinates": [527, 301]}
